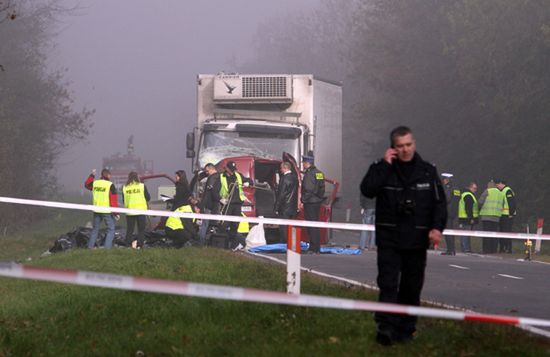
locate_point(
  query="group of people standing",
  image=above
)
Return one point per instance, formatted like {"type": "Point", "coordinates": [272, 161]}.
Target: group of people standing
{"type": "Point", "coordinates": [223, 194]}
{"type": "Point", "coordinates": [495, 209]}
{"type": "Point", "coordinates": [136, 196]}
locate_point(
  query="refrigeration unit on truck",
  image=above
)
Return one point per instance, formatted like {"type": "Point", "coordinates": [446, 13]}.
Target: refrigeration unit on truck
{"type": "Point", "coordinates": [265, 115]}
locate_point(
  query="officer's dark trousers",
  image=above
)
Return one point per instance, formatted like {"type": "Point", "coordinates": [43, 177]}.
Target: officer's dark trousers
{"type": "Point", "coordinates": [400, 279]}
{"type": "Point", "coordinates": [311, 213]}
{"type": "Point", "coordinates": [233, 209]}
{"type": "Point", "coordinates": [505, 244]}
{"type": "Point", "coordinates": [283, 230]}
{"type": "Point", "coordinates": [179, 236]}
{"type": "Point", "coordinates": [489, 245]}
{"type": "Point", "coordinates": [131, 222]}
{"type": "Point", "coordinates": [450, 240]}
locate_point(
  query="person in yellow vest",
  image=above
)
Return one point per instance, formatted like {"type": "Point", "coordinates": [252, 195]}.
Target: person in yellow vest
{"type": "Point", "coordinates": [468, 214]}
{"type": "Point", "coordinates": [180, 230]}
{"type": "Point", "coordinates": [135, 196]}
{"type": "Point", "coordinates": [508, 214]}
{"type": "Point", "coordinates": [491, 202]}
{"type": "Point", "coordinates": [104, 195]}
{"type": "Point", "coordinates": [240, 238]}
{"type": "Point", "coordinates": [232, 195]}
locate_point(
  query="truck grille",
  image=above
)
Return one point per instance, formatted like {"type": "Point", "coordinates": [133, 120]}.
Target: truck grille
{"type": "Point", "coordinates": [258, 87]}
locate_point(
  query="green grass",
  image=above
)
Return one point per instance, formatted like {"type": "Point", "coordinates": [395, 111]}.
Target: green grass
{"type": "Point", "coordinates": [50, 319]}
{"type": "Point", "coordinates": [39, 318]}
{"type": "Point", "coordinates": [35, 240]}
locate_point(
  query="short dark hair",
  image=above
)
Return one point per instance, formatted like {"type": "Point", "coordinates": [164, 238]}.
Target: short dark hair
{"type": "Point", "coordinates": [398, 132]}
{"type": "Point", "coordinates": [105, 172]}
{"type": "Point", "coordinates": [209, 165]}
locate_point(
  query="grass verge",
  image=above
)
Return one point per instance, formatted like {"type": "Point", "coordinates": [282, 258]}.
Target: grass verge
{"type": "Point", "coordinates": [50, 319]}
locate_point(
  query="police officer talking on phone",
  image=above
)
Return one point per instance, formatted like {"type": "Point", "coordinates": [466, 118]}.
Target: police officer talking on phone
{"type": "Point", "coordinates": [411, 213]}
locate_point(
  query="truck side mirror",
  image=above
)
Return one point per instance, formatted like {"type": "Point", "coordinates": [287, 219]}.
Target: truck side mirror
{"type": "Point", "coordinates": [190, 142]}
{"type": "Point", "coordinates": [190, 154]}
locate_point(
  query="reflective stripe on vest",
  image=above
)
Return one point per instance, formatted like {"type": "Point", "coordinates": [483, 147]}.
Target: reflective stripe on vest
{"type": "Point", "coordinates": [462, 206]}
{"type": "Point", "coordinates": [101, 190]}
{"type": "Point", "coordinates": [134, 196]}
{"type": "Point", "coordinates": [244, 227]}
{"type": "Point", "coordinates": [224, 189]}
{"type": "Point", "coordinates": [175, 223]}
{"type": "Point", "coordinates": [506, 207]}
{"type": "Point", "coordinates": [493, 203]}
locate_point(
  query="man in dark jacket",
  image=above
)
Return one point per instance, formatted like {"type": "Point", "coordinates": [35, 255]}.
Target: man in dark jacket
{"type": "Point", "coordinates": [452, 195]}
{"type": "Point", "coordinates": [411, 213]}
{"type": "Point", "coordinates": [286, 199]}
{"type": "Point", "coordinates": [313, 194]}
{"type": "Point", "coordinates": [210, 200]}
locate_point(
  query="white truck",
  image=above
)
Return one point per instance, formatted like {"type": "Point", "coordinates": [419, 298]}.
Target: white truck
{"type": "Point", "coordinates": [264, 115]}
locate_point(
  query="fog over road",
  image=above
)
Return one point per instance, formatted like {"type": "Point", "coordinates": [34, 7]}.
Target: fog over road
{"type": "Point", "coordinates": [135, 62]}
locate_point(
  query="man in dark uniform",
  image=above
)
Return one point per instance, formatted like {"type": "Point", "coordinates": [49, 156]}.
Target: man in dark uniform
{"type": "Point", "coordinates": [313, 194]}
{"type": "Point", "coordinates": [452, 195]}
{"type": "Point", "coordinates": [286, 198]}
{"type": "Point", "coordinates": [411, 213]}
{"type": "Point", "coordinates": [210, 201]}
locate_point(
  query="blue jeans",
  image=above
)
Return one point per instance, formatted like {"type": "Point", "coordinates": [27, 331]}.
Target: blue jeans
{"type": "Point", "coordinates": [203, 229]}
{"type": "Point", "coordinates": [465, 241]}
{"type": "Point", "coordinates": [110, 222]}
{"type": "Point", "coordinates": [367, 237]}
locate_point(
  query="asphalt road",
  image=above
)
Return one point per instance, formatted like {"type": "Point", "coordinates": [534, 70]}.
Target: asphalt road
{"type": "Point", "coordinates": [480, 283]}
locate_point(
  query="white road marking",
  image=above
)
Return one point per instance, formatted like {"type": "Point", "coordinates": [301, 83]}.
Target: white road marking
{"type": "Point", "coordinates": [459, 267]}
{"type": "Point", "coordinates": [511, 276]}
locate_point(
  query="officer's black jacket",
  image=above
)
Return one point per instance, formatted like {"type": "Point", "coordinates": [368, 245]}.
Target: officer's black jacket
{"type": "Point", "coordinates": [211, 196]}
{"type": "Point", "coordinates": [399, 227]}
{"type": "Point", "coordinates": [286, 200]}
{"type": "Point", "coordinates": [313, 186]}
{"type": "Point", "coordinates": [182, 195]}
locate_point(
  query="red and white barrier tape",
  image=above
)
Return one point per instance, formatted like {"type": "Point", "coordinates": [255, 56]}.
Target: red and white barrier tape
{"type": "Point", "coordinates": [123, 282]}
{"type": "Point", "coordinates": [273, 221]}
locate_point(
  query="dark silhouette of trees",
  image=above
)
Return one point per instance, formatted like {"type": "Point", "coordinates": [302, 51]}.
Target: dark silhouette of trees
{"type": "Point", "coordinates": [469, 77]}
{"type": "Point", "coordinates": [36, 114]}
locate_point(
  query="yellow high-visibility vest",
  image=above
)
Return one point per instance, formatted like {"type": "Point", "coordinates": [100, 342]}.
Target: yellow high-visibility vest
{"type": "Point", "coordinates": [100, 192]}
{"type": "Point", "coordinates": [506, 207]}
{"type": "Point", "coordinates": [462, 206]}
{"type": "Point", "coordinates": [224, 189]}
{"type": "Point", "coordinates": [493, 203]}
{"type": "Point", "coordinates": [244, 227]}
{"type": "Point", "coordinates": [175, 223]}
{"type": "Point", "coordinates": [134, 196]}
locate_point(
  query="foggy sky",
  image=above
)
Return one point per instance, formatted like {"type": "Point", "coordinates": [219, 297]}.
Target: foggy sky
{"type": "Point", "coordinates": [135, 62]}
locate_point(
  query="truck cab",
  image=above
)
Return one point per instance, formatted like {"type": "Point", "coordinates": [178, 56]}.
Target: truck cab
{"type": "Point", "coordinates": [260, 198]}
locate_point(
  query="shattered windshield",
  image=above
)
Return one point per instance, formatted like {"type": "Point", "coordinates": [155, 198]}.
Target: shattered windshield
{"type": "Point", "coordinates": [217, 145]}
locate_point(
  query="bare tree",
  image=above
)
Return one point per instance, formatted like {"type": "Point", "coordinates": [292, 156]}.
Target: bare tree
{"type": "Point", "coordinates": [7, 11]}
